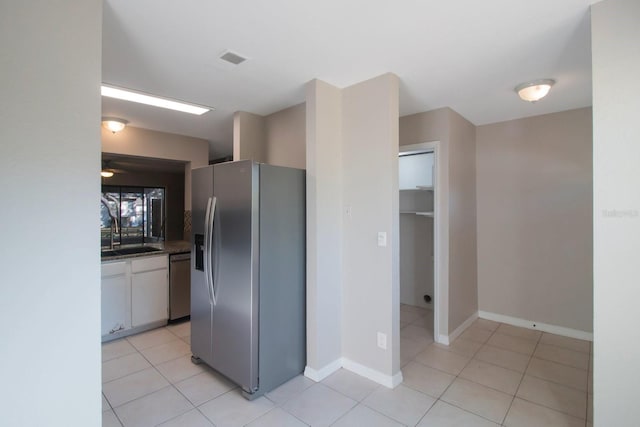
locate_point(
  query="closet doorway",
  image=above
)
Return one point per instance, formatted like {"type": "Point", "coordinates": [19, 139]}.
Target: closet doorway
{"type": "Point", "coordinates": [423, 249]}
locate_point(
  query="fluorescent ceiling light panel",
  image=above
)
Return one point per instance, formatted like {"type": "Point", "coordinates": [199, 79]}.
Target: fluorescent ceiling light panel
{"type": "Point", "coordinates": [141, 98]}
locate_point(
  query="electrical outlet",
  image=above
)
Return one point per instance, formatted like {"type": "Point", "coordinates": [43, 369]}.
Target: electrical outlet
{"type": "Point", "coordinates": [382, 340]}
{"type": "Point", "coordinates": [382, 238]}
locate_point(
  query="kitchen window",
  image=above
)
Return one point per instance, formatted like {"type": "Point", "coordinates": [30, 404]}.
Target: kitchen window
{"type": "Point", "coordinates": [132, 215]}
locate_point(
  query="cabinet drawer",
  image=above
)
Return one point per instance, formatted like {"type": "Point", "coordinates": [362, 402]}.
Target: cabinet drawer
{"type": "Point", "coordinates": [113, 269]}
{"type": "Point", "coordinates": [149, 263]}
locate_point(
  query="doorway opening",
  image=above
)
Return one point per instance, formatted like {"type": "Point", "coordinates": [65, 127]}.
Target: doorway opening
{"type": "Point", "coordinates": [423, 203]}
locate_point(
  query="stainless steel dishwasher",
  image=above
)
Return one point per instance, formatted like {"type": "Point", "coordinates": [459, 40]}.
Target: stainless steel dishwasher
{"type": "Point", "coordinates": [179, 285]}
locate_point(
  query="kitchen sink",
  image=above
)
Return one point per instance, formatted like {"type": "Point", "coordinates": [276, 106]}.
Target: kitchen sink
{"type": "Point", "coordinates": [129, 251]}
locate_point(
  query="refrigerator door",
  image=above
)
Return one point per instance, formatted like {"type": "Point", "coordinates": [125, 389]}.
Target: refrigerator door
{"type": "Point", "coordinates": [236, 273]}
{"type": "Point", "coordinates": [201, 301]}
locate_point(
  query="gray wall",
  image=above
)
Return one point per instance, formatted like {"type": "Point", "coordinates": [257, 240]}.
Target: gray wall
{"type": "Point", "coordinates": [616, 150]}
{"type": "Point", "coordinates": [534, 219]}
{"type": "Point", "coordinates": [285, 137]}
{"type": "Point", "coordinates": [173, 183]}
{"type": "Point", "coordinates": [248, 137]}
{"type": "Point", "coordinates": [49, 187]}
{"type": "Point", "coordinates": [463, 267]}
{"type": "Point", "coordinates": [277, 139]}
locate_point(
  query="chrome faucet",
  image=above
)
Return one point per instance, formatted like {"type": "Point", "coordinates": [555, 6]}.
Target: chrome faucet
{"type": "Point", "coordinates": [114, 224]}
{"type": "Point", "coordinates": [114, 220]}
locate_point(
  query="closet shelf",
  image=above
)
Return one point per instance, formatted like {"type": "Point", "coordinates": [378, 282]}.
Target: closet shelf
{"type": "Point", "coordinates": [419, 213]}
{"type": "Point", "coordinates": [419, 188]}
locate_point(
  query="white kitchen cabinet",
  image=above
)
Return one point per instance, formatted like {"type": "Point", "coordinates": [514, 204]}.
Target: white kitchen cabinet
{"type": "Point", "coordinates": [135, 295]}
{"type": "Point", "coordinates": [149, 290]}
{"type": "Point", "coordinates": [115, 297]}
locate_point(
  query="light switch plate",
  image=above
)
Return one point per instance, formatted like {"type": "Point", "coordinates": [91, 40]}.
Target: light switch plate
{"type": "Point", "coordinates": [382, 340]}
{"type": "Point", "coordinates": [382, 238]}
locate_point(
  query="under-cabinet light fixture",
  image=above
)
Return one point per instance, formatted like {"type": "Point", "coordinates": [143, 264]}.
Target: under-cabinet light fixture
{"type": "Point", "coordinates": [114, 124]}
{"type": "Point", "coordinates": [535, 90]}
{"type": "Point", "coordinates": [143, 98]}
{"type": "Point", "coordinates": [106, 173]}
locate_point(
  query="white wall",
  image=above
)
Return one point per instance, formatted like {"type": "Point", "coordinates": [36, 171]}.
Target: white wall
{"type": "Point", "coordinates": [324, 228]}
{"type": "Point", "coordinates": [616, 212]}
{"type": "Point", "coordinates": [352, 194]}
{"type": "Point", "coordinates": [370, 178]}
{"type": "Point", "coordinates": [49, 186]}
{"type": "Point", "coordinates": [534, 181]}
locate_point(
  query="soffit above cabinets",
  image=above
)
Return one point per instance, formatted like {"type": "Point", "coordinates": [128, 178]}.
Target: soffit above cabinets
{"type": "Point", "coordinates": [124, 164]}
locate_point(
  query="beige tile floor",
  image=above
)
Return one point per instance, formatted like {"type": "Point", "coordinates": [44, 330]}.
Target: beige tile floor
{"type": "Point", "coordinates": [492, 375]}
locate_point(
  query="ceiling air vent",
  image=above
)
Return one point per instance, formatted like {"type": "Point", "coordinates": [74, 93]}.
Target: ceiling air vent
{"type": "Point", "coordinates": [232, 58]}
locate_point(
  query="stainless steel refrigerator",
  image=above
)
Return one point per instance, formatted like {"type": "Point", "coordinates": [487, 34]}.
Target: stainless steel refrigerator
{"type": "Point", "coordinates": [248, 273]}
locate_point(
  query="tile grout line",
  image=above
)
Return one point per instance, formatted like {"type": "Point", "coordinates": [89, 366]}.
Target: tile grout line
{"type": "Point", "coordinates": [566, 348]}
{"type": "Point", "coordinates": [455, 378]}
{"type": "Point", "coordinates": [521, 379]}
{"type": "Point", "coordinates": [561, 363]}
{"type": "Point", "coordinates": [470, 360]}
{"type": "Point", "coordinates": [500, 366]}
{"type": "Point", "coordinates": [458, 375]}
{"type": "Point", "coordinates": [556, 382]}
{"type": "Point", "coordinates": [346, 413]}
{"type": "Point", "coordinates": [589, 373]}
{"type": "Point", "coordinates": [150, 393]}
{"type": "Point", "coordinates": [546, 380]}
{"type": "Point", "coordinates": [296, 417]}
{"type": "Point", "coordinates": [112, 410]}
{"type": "Point", "coordinates": [415, 361]}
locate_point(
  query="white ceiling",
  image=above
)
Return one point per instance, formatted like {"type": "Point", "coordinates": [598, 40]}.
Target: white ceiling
{"type": "Point", "coordinates": [464, 54]}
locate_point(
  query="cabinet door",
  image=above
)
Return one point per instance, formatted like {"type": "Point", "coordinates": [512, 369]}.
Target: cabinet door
{"type": "Point", "coordinates": [116, 310]}
{"type": "Point", "coordinates": [149, 297]}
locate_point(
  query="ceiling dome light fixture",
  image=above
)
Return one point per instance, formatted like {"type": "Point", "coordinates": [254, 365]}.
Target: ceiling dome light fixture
{"type": "Point", "coordinates": [535, 90]}
{"type": "Point", "coordinates": [114, 124]}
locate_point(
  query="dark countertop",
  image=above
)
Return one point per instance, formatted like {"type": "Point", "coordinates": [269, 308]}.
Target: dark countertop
{"type": "Point", "coordinates": [177, 246]}
{"type": "Point", "coordinates": [169, 247]}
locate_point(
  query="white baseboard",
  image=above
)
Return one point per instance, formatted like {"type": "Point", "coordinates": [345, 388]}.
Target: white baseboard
{"type": "Point", "coordinates": [386, 380]}
{"type": "Point", "coordinates": [318, 375]}
{"type": "Point", "coordinates": [464, 325]}
{"type": "Point", "coordinates": [530, 324]}
{"type": "Point", "coordinates": [448, 339]}
{"type": "Point", "coordinates": [442, 339]}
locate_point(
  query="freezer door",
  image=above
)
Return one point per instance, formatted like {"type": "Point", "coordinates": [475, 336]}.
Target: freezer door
{"type": "Point", "coordinates": [236, 268]}
{"type": "Point", "coordinates": [201, 302]}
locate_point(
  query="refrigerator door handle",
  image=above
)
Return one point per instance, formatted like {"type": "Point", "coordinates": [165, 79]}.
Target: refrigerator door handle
{"type": "Point", "coordinates": [211, 227]}
{"type": "Point", "coordinates": [207, 249]}
{"type": "Point", "coordinates": [216, 250]}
